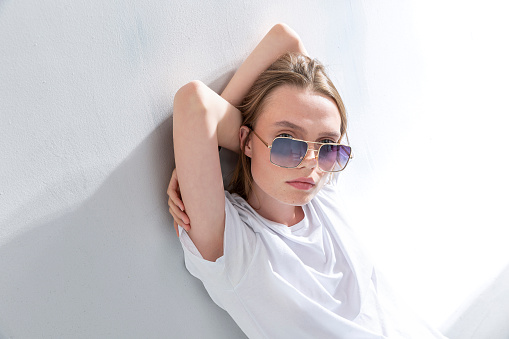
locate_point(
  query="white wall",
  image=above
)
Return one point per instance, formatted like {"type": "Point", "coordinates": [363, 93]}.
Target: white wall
{"type": "Point", "coordinates": [86, 243]}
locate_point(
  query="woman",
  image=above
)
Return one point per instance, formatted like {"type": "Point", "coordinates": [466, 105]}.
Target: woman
{"type": "Point", "coordinates": [274, 252]}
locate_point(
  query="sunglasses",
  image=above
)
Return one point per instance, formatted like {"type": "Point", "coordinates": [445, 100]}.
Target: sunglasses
{"type": "Point", "coordinates": [289, 153]}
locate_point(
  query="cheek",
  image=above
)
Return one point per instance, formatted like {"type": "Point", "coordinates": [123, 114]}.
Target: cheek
{"type": "Point", "coordinates": [260, 168]}
{"type": "Point", "coordinates": [265, 174]}
{"type": "Point", "coordinates": [260, 161]}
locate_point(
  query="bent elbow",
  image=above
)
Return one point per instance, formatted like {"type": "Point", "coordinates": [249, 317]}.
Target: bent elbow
{"type": "Point", "coordinates": [287, 36]}
{"type": "Point", "coordinates": [192, 113]}
{"type": "Point", "coordinates": [189, 98]}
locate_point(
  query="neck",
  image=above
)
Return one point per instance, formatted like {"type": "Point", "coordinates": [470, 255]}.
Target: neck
{"type": "Point", "coordinates": [273, 209]}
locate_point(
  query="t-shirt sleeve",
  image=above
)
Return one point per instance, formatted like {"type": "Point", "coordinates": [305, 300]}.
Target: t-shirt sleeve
{"type": "Point", "coordinates": [240, 244]}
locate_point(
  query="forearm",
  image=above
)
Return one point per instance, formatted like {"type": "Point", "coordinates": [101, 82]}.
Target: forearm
{"type": "Point", "coordinates": [279, 40]}
{"type": "Point", "coordinates": [229, 121]}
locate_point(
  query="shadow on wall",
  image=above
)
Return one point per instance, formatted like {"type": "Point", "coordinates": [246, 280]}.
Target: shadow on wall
{"type": "Point", "coordinates": [111, 267]}
{"type": "Point", "coordinates": [487, 317]}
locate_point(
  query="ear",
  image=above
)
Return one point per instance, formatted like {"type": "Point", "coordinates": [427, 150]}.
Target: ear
{"type": "Point", "coordinates": [245, 137]}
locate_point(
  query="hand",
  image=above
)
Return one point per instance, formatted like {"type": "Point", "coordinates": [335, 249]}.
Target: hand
{"type": "Point", "coordinates": [176, 205]}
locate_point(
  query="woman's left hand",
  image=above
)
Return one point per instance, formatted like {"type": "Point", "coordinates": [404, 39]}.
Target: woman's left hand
{"type": "Point", "coordinates": [176, 206]}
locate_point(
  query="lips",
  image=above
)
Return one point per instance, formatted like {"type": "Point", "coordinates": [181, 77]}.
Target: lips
{"type": "Point", "coordinates": [302, 183]}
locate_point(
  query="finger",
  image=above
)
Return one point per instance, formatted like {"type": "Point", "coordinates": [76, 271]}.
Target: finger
{"type": "Point", "coordinates": [176, 217]}
{"type": "Point", "coordinates": [171, 187]}
{"type": "Point", "coordinates": [178, 212]}
{"type": "Point", "coordinates": [176, 199]}
{"type": "Point", "coordinates": [176, 226]}
{"type": "Point", "coordinates": [173, 180]}
{"type": "Point", "coordinates": [174, 192]}
{"type": "Point", "coordinates": [179, 221]}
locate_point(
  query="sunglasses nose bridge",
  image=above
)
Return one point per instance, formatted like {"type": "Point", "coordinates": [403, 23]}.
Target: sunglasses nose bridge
{"type": "Point", "coordinates": [315, 147]}
{"type": "Point", "coordinates": [315, 155]}
{"type": "Point", "coordinates": [311, 157]}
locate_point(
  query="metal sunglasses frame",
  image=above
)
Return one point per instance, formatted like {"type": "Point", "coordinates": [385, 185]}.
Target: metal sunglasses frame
{"type": "Point", "coordinates": [314, 150]}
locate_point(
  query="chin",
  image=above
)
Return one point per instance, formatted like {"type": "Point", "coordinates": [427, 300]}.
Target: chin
{"type": "Point", "coordinates": [299, 200]}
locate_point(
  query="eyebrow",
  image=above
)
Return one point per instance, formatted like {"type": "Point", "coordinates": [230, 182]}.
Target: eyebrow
{"type": "Point", "coordinates": [288, 124]}
{"type": "Point", "coordinates": [291, 125]}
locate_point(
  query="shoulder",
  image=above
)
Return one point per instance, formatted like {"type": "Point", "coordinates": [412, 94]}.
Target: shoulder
{"type": "Point", "coordinates": [238, 206]}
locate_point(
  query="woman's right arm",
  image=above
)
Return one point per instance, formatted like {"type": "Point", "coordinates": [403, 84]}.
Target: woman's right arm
{"type": "Point", "coordinates": [203, 120]}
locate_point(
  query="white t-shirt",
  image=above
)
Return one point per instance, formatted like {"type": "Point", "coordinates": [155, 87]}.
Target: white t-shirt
{"type": "Point", "coordinates": [310, 280]}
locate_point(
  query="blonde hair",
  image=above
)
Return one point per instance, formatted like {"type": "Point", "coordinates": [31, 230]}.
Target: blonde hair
{"type": "Point", "coordinates": [291, 69]}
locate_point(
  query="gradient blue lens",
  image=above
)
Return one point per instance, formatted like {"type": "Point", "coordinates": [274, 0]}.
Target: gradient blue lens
{"type": "Point", "coordinates": [286, 152]}
{"type": "Point", "coordinates": [327, 157]}
{"type": "Point", "coordinates": [333, 158]}
{"type": "Point", "coordinates": [344, 156]}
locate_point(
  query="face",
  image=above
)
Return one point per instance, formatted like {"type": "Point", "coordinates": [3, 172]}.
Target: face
{"type": "Point", "coordinates": [297, 113]}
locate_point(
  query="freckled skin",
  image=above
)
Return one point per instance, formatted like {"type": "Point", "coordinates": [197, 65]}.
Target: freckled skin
{"type": "Point", "coordinates": [272, 196]}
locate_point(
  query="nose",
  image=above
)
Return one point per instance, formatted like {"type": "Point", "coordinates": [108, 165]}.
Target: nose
{"type": "Point", "coordinates": [310, 159]}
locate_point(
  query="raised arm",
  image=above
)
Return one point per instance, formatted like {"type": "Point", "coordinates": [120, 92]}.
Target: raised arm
{"type": "Point", "coordinates": [279, 40]}
{"type": "Point", "coordinates": [203, 120]}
